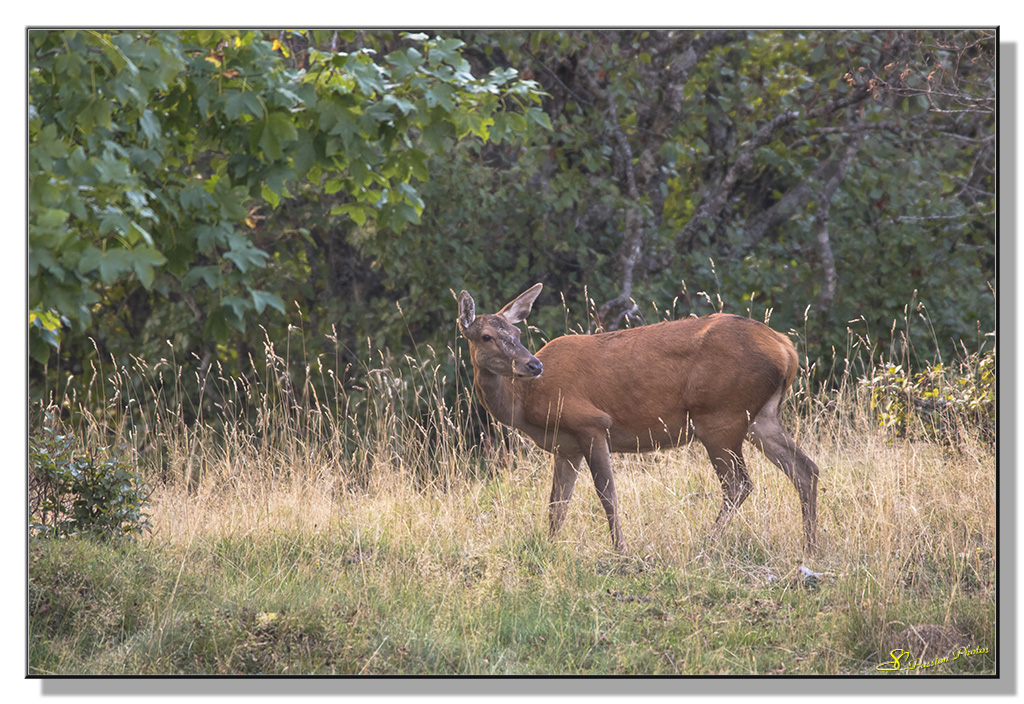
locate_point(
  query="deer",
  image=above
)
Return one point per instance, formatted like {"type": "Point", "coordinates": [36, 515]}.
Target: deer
{"type": "Point", "coordinates": [719, 379]}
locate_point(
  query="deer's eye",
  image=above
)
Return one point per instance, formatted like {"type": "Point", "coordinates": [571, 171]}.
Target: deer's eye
{"type": "Point", "coordinates": [485, 338]}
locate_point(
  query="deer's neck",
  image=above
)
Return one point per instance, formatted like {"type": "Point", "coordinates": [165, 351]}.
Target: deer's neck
{"type": "Point", "coordinates": [501, 396]}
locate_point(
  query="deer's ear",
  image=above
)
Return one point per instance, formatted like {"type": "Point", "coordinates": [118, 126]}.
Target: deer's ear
{"type": "Point", "coordinates": [517, 310]}
{"type": "Point", "coordinates": [467, 310]}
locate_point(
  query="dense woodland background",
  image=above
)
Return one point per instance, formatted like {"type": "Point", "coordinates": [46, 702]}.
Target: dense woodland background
{"type": "Point", "coordinates": [215, 198]}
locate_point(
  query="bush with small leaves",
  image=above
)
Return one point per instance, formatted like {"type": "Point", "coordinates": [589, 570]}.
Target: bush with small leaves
{"type": "Point", "coordinates": [937, 400]}
{"type": "Point", "coordinates": [74, 493]}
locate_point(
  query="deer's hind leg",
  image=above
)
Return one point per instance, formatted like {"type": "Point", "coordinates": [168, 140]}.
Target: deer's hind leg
{"type": "Point", "coordinates": [722, 437]}
{"type": "Point", "coordinates": [735, 480]}
{"type": "Point", "coordinates": [769, 436]}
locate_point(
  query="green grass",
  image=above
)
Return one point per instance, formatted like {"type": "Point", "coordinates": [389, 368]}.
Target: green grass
{"type": "Point", "coordinates": [398, 580]}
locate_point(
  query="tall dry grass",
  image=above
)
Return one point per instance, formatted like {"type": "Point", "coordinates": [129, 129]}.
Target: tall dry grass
{"type": "Point", "coordinates": [358, 501]}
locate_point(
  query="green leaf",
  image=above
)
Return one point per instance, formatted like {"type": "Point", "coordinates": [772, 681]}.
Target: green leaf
{"type": "Point", "coordinates": [355, 211]}
{"type": "Point", "coordinates": [144, 260]}
{"type": "Point", "coordinates": [277, 131]}
{"type": "Point", "coordinates": [207, 237]}
{"type": "Point", "coordinates": [262, 299]}
{"type": "Point", "coordinates": [234, 106]}
{"type": "Point", "coordinates": [440, 95]}
{"type": "Point", "coordinates": [234, 309]}
{"type": "Point", "coordinates": [361, 173]}
{"type": "Point", "coordinates": [143, 232]}
{"type": "Point", "coordinates": [405, 63]}
{"type": "Point", "coordinates": [115, 263]}
{"type": "Point", "coordinates": [304, 154]}
{"type": "Point", "coordinates": [434, 134]}
{"type": "Point", "coordinates": [96, 113]}
{"type": "Point", "coordinates": [244, 255]}
{"type": "Point", "coordinates": [149, 124]}
{"type": "Point", "coordinates": [45, 319]}
{"type": "Point", "coordinates": [243, 102]}
{"type": "Point", "coordinates": [230, 200]}
{"type": "Point", "coordinates": [404, 106]}
{"type": "Point", "coordinates": [344, 124]}
{"type": "Point", "coordinates": [418, 164]}
{"type": "Point", "coordinates": [412, 196]}
{"type": "Point", "coordinates": [404, 212]}
{"type": "Point", "coordinates": [281, 123]}
{"type": "Point", "coordinates": [38, 348]}
{"type": "Point", "coordinates": [90, 260]}
{"type": "Point", "coordinates": [44, 334]}
{"type": "Point", "coordinates": [473, 122]}
{"type": "Point", "coordinates": [51, 219]}
{"type": "Point", "coordinates": [111, 169]}
{"type": "Point", "coordinates": [447, 51]}
{"type": "Point", "coordinates": [195, 197]}
{"type": "Point", "coordinates": [210, 274]}
{"type": "Point", "coordinates": [538, 117]}
{"type": "Point", "coordinates": [268, 195]}
{"type": "Point", "coordinates": [500, 76]}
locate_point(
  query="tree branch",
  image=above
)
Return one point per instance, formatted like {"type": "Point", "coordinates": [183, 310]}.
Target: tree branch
{"type": "Point", "coordinates": [612, 312]}
{"type": "Point", "coordinates": [828, 262]}
{"type": "Point", "coordinates": [714, 204]}
{"type": "Point", "coordinates": [675, 55]}
{"type": "Point", "coordinates": [791, 201]}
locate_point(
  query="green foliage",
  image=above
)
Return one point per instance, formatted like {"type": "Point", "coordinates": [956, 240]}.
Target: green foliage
{"type": "Point", "coordinates": [937, 402]}
{"type": "Point", "coordinates": [154, 157]}
{"type": "Point", "coordinates": [73, 493]}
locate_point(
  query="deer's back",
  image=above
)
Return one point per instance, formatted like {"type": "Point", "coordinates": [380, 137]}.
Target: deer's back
{"type": "Point", "coordinates": [648, 383]}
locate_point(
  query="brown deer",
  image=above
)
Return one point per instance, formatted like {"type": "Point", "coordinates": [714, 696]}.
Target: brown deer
{"type": "Point", "coordinates": [719, 379]}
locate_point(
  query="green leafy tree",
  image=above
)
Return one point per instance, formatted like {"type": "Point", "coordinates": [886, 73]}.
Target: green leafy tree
{"type": "Point", "coordinates": [155, 157]}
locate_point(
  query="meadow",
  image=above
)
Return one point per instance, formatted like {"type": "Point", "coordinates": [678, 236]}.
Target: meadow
{"type": "Point", "coordinates": [290, 535]}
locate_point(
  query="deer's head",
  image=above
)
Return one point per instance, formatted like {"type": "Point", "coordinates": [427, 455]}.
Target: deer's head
{"type": "Point", "coordinates": [494, 344]}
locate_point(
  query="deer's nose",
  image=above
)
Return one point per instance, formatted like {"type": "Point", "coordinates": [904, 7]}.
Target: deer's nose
{"type": "Point", "coordinates": [534, 367]}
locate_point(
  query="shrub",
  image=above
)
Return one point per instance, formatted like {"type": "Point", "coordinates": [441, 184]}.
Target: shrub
{"type": "Point", "coordinates": [72, 493]}
{"type": "Point", "coordinates": [938, 400]}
